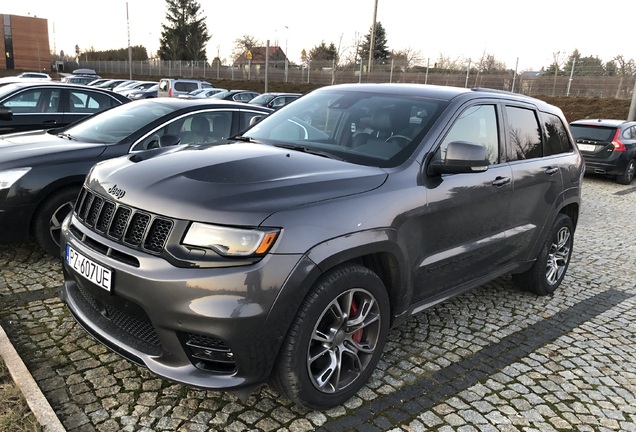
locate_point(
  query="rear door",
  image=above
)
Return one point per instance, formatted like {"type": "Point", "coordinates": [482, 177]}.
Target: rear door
{"type": "Point", "coordinates": [538, 149]}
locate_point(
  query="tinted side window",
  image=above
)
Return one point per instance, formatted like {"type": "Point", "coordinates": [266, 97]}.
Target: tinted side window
{"type": "Point", "coordinates": [89, 102]}
{"type": "Point", "coordinates": [524, 134]}
{"type": "Point", "coordinates": [25, 102]}
{"type": "Point", "coordinates": [630, 133]}
{"type": "Point", "coordinates": [478, 124]}
{"type": "Point", "coordinates": [185, 86]}
{"type": "Point", "coordinates": [557, 140]}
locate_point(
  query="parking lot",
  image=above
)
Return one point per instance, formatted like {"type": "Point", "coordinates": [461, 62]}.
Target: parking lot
{"type": "Point", "coordinates": [495, 359]}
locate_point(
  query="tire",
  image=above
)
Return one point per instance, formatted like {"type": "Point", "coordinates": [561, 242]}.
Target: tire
{"type": "Point", "coordinates": [549, 269]}
{"type": "Point", "coordinates": [627, 177]}
{"type": "Point", "coordinates": [327, 356]}
{"type": "Point", "coordinates": [48, 219]}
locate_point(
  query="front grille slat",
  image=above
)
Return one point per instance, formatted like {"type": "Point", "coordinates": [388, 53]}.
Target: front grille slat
{"type": "Point", "coordinates": [123, 224]}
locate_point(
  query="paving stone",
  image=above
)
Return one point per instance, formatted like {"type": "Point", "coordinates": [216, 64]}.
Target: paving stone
{"type": "Point", "coordinates": [492, 359]}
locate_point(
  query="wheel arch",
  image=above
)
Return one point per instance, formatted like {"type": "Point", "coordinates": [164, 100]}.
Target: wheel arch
{"type": "Point", "coordinates": [379, 251]}
{"type": "Point", "coordinates": [51, 190]}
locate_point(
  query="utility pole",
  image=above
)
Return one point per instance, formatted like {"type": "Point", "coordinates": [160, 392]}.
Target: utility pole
{"type": "Point", "coordinates": [632, 106]}
{"type": "Point", "coordinates": [372, 41]}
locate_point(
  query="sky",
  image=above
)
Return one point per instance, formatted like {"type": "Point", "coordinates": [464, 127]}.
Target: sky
{"type": "Point", "coordinates": [523, 35]}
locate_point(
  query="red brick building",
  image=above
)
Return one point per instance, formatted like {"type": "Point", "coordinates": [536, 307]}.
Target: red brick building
{"type": "Point", "coordinates": [25, 43]}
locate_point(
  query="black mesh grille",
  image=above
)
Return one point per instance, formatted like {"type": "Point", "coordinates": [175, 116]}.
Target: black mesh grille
{"type": "Point", "coordinates": [119, 222]}
{"type": "Point", "coordinates": [105, 217]}
{"type": "Point", "coordinates": [139, 328]}
{"type": "Point", "coordinates": [158, 235]}
{"type": "Point", "coordinates": [207, 342]}
{"type": "Point", "coordinates": [125, 225]}
{"type": "Point", "coordinates": [137, 228]}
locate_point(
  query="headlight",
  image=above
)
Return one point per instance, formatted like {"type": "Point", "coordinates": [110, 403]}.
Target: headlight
{"type": "Point", "coordinates": [7, 178]}
{"type": "Point", "coordinates": [231, 241]}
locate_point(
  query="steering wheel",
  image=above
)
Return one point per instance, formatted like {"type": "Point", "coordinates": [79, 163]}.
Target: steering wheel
{"type": "Point", "coordinates": [400, 139]}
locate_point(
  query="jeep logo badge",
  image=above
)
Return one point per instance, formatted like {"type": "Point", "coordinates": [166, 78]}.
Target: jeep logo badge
{"type": "Point", "coordinates": [116, 192]}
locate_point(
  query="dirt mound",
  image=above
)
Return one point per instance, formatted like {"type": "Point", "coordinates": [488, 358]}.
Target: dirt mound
{"type": "Point", "coordinates": [581, 108]}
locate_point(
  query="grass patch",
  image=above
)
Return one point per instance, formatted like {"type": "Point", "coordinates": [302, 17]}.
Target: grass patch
{"type": "Point", "coordinates": [15, 415]}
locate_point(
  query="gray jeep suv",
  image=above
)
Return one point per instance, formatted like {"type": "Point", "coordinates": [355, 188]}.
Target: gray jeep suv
{"type": "Point", "coordinates": [284, 255]}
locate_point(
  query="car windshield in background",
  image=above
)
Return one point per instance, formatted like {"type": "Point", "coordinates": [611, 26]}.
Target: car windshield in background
{"type": "Point", "coordinates": [115, 124]}
{"type": "Point", "coordinates": [359, 127]}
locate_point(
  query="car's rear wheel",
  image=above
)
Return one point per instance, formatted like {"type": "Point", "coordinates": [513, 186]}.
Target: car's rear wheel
{"type": "Point", "coordinates": [627, 177]}
{"type": "Point", "coordinates": [49, 218]}
{"type": "Point", "coordinates": [549, 269]}
{"type": "Point", "coordinates": [335, 340]}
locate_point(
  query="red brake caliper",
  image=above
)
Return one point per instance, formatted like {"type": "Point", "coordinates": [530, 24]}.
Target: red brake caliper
{"type": "Point", "coordinates": [357, 335]}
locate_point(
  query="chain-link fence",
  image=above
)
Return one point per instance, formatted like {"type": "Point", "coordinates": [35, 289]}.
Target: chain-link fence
{"type": "Point", "coordinates": [325, 73]}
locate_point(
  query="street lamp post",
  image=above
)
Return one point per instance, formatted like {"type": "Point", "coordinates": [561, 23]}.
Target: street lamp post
{"type": "Point", "coordinates": [129, 47]}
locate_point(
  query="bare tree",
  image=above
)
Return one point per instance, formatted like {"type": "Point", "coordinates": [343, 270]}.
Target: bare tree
{"type": "Point", "coordinates": [243, 44]}
{"type": "Point", "coordinates": [447, 63]}
{"type": "Point", "coordinates": [406, 58]}
{"type": "Point", "coordinates": [625, 67]}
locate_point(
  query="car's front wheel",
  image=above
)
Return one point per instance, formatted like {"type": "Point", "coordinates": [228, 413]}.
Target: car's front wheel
{"type": "Point", "coordinates": [335, 340]}
{"type": "Point", "coordinates": [48, 220]}
{"type": "Point", "coordinates": [549, 269]}
{"type": "Point", "coordinates": [627, 177]}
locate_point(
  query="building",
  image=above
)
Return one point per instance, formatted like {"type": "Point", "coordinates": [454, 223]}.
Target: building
{"type": "Point", "coordinates": [276, 57]}
{"type": "Point", "coordinates": [25, 43]}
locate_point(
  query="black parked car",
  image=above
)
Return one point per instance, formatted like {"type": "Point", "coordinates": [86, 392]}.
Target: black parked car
{"type": "Point", "coordinates": [150, 92]}
{"type": "Point", "coordinates": [46, 105]}
{"type": "Point", "coordinates": [236, 95]}
{"type": "Point", "coordinates": [41, 172]}
{"type": "Point", "coordinates": [275, 100]}
{"type": "Point", "coordinates": [287, 254]}
{"type": "Point", "coordinates": [608, 147]}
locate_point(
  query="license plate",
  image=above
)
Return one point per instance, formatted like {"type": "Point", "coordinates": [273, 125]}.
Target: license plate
{"type": "Point", "coordinates": [96, 273]}
{"type": "Point", "coordinates": [587, 147]}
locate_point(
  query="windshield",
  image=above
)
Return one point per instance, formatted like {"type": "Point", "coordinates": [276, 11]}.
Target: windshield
{"type": "Point", "coordinates": [115, 124]}
{"type": "Point", "coordinates": [376, 129]}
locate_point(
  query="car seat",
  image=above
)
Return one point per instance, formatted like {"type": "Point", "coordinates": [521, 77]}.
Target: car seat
{"type": "Point", "coordinates": [221, 127]}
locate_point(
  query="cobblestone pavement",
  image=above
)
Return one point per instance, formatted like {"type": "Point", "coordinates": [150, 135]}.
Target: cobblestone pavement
{"type": "Point", "coordinates": [495, 359]}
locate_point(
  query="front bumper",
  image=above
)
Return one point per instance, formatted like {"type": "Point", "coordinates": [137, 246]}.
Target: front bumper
{"type": "Point", "coordinates": [15, 224]}
{"type": "Point", "coordinates": [217, 328]}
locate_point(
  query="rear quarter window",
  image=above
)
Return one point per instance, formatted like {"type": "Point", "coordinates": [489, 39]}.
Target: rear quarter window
{"type": "Point", "coordinates": [557, 139]}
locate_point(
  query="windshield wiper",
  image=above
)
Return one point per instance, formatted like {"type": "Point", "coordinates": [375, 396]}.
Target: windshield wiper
{"type": "Point", "coordinates": [308, 150]}
{"type": "Point", "coordinates": [242, 138]}
{"type": "Point", "coordinates": [67, 136]}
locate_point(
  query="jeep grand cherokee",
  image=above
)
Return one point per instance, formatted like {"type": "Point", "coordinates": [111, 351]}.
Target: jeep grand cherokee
{"type": "Point", "coordinates": [285, 255]}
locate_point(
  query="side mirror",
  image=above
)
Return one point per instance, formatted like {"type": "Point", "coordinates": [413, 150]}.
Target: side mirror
{"type": "Point", "coordinates": [6, 114]}
{"type": "Point", "coordinates": [255, 120]}
{"type": "Point", "coordinates": [168, 140]}
{"type": "Point", "coordinates": [462, 157]}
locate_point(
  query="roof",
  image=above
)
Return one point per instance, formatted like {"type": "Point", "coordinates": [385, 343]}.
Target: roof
{"type": "Point", "coordinates": [259, 53]}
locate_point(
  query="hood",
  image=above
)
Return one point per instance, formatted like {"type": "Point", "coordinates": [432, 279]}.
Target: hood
{"type": "Point", "coordinates": [236, 184]}
{"type": "Point", "coordinates": [34, 148]}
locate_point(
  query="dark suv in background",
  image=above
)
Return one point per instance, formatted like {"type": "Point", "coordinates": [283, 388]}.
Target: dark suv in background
{"type": "Point", "coordinates": [286, 254]}
{"type": "Point", "coordinates": [608, 147]}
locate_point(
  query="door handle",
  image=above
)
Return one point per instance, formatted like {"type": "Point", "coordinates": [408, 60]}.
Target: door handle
{"type": "Point", "coordinates": [500, 181]}
{"type": "Point", "coordinates": [551, 170]}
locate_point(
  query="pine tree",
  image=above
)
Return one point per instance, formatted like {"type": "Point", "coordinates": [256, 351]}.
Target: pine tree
{"type": "Point", "coordinates": [185, 36]}
{"type": "Point", "coordinates": [380, 49]}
